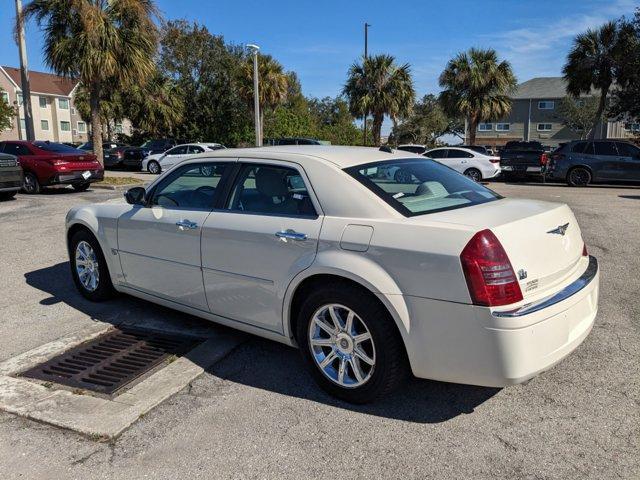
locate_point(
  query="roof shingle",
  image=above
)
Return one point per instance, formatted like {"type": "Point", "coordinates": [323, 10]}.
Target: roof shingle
{"type": "Point", "coordinates": [41, 82]}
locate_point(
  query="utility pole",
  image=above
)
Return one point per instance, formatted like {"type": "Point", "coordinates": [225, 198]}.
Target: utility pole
{"type": "Point", "coordinates": [24, 76]}
{"type": "Point", "coordinates": [256, 98]}
{"type": "Point", "coordinates": [366, 46]}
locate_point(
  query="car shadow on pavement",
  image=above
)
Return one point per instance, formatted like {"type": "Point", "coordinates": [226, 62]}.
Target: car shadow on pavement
{"type": "Point", "coordinates": [278, 368]}
{"type": "Point", "coordinates": [264, 364]}
{"type": "Point", "coordinates": [630, 197]}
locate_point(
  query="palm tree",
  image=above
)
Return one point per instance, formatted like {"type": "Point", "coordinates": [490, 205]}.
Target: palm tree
{"type": "Point", "coordinates": [379, 87]}
{"type": "Point", "coordinates": [96, 42]}
{"type": "Point", "coordinates": [592, 63]}
{"type": "Point", "coordinates": [273, 87]}
{"type": "Point", "coordinates": [477, 86]}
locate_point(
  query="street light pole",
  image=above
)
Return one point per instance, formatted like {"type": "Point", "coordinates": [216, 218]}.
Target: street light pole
{"type": "Point", "coordinates": [366, 44]}
{"type": "Point", "coordinates": [256, 98]}
{"type": "Point", "coordinates": [24, 76]}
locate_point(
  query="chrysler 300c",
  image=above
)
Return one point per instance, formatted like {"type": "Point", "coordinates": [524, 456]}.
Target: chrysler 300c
{"type": "Point", "coordinates": [371, 277]}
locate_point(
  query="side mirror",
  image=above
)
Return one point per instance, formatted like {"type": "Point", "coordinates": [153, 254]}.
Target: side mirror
{"type": "Point", "coordinates": [136, 196]}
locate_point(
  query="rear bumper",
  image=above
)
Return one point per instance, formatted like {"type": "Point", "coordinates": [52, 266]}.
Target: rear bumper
{"type": "Point", "coordinates": [76, 176]}
{"type": "Point", "coordinates": [11, 179]}
{"type": "Point", "coordinates": [522, 169]}
{"type": "Point", "coordinates": [498, 347]}
{"type": "Point", "coordinates": [129, 162]}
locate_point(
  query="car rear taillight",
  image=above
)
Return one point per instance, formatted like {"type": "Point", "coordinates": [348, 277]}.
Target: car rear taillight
{"type": "Point", "coordinates": [544, 158]}
{"type": "Point", "coordinates": [58, 161]}
{"type": "Point", "coordinates": [120, 154]}
{"type": "Point", "coordinates": [488, 271]}
{"type": "Point", "coordinates": [585, 253]}
{"type": "Point", "coordinates": [494, 160]}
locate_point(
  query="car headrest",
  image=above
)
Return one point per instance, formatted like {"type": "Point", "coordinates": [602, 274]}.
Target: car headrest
{"type": "Point", "coordinates": [432, 189]}
{"type": "Point", "coordinates": [271, 182]}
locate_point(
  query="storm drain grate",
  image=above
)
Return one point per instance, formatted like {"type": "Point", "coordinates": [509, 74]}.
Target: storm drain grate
{"type": "Point", "coordinates": [113, 360]}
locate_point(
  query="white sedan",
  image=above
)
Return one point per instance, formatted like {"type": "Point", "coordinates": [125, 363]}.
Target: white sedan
{"type": "Point", "coordinates": [159, 162]}
{"type": "Point", "coordinates": [373, 279]}
{"type": "Point", "coordinates": [475, 165]}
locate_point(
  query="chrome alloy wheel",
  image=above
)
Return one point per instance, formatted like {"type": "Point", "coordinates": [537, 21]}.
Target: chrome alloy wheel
{"type": "Point", "coordinates": [87, 266]}
{"type": "Point", "coordinates": [342, 346]}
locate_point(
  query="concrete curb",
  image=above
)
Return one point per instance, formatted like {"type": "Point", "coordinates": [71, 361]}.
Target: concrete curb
{"type": "Point", "coordinates": [95, 417]}
{"type": "Point", "coordinates": [116, 187]}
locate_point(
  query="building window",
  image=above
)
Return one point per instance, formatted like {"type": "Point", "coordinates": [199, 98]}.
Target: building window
{"type": "Point", "coordinates": [63, 104]}
{"type": "Point", "coordinates": [632, 127]}
{"type": "Point", "coordinates": [503, 127]}
{"type": "Point", "coordinates": [44, 124]}
{"type": "Point", "coordinates": [545, 127]}
{"type": "Point", "coordinates": [5, 97]}
{"type": "Point", "coordinates": [43, 102]}
{"type": "Point", "coordinates": [485, 127]}
{"type": "Point", "coordinates": [82, 127]}
{"type": "Point", "coordinates": [118, 128]}
{"type": "Point", "coordinates": [65, 126]}
{"type": "Point", "coordinates": [546, 105]}
{"type": "Point", "coordinates": [23, 124]}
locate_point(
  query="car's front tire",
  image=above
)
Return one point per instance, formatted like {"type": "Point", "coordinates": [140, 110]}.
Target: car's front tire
{"type": "Point", "coordinates": [153, 167]}
{"type": "Point", "coordinates": [350, 344]}
{"type": "Point", "coordinates": [89, 267]}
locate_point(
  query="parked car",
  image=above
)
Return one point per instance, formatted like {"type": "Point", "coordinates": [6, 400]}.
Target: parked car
{"type": "Point", "coordinates": [581, 162]}
{"type": "Point", "coordinates": [477, 148]}
{"type": "Point", "coordinates": [159, 162]}
{"type": "Point", "coordinates": [522, 159]}
{"type": "Point", "coordinates": [293, 141]}
{"type": "Point", "coordinates": [88, 146]}
{"type": "Point", "coordinates": [50, 163]}
{"type": "Point", "coordinates": [372, 279]}
{"type": "Point", "coordinates": [125, 156]}
{"type": "Point", "coordinates": [159, 145]}
{"type": "Point", "coordinates": [466, 161]}
{"type": "Point", "coordinates": [11, 177]}
{"type": "Point", "coordinates": [410, 147]}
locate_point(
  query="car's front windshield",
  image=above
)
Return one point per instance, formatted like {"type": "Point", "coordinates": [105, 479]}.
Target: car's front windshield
{"type": "Point", "coordinates": [419, 186]}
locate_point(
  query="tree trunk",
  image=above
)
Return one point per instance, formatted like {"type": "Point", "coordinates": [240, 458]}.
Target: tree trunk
{"type": "Point", "coordinates": [601, 104]}
{"type": "Point", "coordinates": [96, 124]}
{"type": "Point", "coordinates": [377, 126]}
{"type": "Point", "coordinates": [473, 127]}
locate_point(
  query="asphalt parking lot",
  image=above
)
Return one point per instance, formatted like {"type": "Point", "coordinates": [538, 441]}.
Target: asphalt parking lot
{"type": "Point", "coordinates": [256, 413]}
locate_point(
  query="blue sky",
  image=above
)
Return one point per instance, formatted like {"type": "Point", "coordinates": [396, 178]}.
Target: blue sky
{"type": "Point", "coordinates": [320, 40]}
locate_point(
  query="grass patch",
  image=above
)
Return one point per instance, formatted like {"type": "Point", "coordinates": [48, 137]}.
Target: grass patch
{"type": "Point", "coordinates": [119, 181]}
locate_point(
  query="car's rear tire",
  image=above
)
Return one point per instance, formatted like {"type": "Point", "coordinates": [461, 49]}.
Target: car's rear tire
{"type": "Point", "coordinates": [474, 174]}
{"type": "Point", "coordinates": [349, 349]}
{"type": "Point", "coordinates": [7, 195]}
{"type": "Point", "coordinates": [81, 187]}
{"type": "Point", "coordinates": [578, 177]}
{"type": "Point", "coordinates": [153, 167]}
{"type": "Point", "coordinates": [31, 184]}
{"type": "Point", "coordinates": [89, 267]}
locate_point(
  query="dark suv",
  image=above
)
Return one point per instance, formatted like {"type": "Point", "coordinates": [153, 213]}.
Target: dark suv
{"type": "Point", "coordinates": [581, 162]}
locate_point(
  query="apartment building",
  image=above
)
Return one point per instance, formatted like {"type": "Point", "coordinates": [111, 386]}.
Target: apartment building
{"type": "Point", "coordinates": [534, 117]}
{"type": "Point", "coordinates": [55, 117]}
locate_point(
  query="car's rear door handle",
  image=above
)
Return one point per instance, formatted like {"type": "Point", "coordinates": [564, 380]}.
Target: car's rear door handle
{"type": "Point", "coordinates": [187, 224]}
{"type": "Point", "coordinates": [291, 235]}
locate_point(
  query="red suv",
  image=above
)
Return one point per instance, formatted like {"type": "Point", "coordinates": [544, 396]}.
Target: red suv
{"type": "Point", "coordinates": [50, 163]}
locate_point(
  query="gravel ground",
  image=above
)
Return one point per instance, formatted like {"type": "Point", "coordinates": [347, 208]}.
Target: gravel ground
{"type": "Point", "coordinates": [256, 414]}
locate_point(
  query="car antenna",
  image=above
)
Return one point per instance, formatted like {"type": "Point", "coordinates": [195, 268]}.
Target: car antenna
{"type": "Point", "coordinates": [385, 148]}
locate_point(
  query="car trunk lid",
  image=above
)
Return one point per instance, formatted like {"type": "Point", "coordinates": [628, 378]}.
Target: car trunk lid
{"type": "Point", "coordinates": [542, 239]}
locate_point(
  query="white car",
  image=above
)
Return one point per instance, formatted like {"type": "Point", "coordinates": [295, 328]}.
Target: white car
{"type": "Point", "coordinates": [473, 164]}
{"type": "Point", "coordinates": [371, 278]}
{"type": "Point", "coordinates": [159, 162]}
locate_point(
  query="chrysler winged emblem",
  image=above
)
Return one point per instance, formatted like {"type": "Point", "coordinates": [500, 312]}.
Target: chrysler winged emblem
{"type": "Point", "coordinates": [560, 229]}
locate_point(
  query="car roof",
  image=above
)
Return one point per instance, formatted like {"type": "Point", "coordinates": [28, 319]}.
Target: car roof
{"type": "Point", "coordinates": [341, 156]}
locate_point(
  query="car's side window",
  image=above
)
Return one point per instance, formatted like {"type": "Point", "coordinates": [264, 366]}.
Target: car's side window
{"type": "Point", "coordinates": [605, 148]}
{"type": "Point", "coordinates": [628, 150]}
{"type": "Point", "coordinates": [178, 150]}
{"type": "Point", "coordinates": [437, 153]}
{"type": "Point", "coordinates": [195, 149]}
{"type": "Point", "coordinates": [271, 189]}
{"type": "Point", "coordinates": [16, 149]}
{"type": "Point", "coordinates": [193, 187]}
{"type": "Point", "coordinates": [455, 153]}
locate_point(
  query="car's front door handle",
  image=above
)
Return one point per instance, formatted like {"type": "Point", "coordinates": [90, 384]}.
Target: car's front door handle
{"type": "Point", "coordinates": [187, 224]}
{"type": "Point", "coordinates": [291, 235]}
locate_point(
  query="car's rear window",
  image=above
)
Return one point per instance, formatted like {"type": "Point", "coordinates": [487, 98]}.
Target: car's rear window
{"type": "Point", "coordinates": [419, 186]}
{"type": "Point", "coordinates": [55, 147]}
